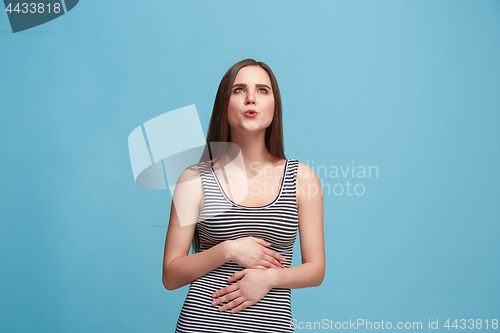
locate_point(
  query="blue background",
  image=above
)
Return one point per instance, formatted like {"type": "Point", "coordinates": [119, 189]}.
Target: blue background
{"type": "Point", "coordinates": [411, 87]}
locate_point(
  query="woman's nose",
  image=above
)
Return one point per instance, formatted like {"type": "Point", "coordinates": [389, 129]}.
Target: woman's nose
{"type": "Point", "coordinates": [250, 99]}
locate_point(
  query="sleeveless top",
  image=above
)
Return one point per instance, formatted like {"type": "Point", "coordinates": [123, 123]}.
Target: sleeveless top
{"type": "Point", "coordinates": [221, 219]}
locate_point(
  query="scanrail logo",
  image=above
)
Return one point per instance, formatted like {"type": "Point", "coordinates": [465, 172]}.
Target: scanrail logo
{"type": "Point", "coordinates": [26, 15]}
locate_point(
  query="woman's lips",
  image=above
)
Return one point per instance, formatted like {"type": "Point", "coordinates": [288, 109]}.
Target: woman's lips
{"type": "Point", "coordinates": [250, 113]}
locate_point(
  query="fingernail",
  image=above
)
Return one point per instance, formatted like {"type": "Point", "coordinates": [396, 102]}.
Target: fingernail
{"type": "Point", "coordinates": [214, 302]}
{"type": "Point", "coordinates": [213, 295]}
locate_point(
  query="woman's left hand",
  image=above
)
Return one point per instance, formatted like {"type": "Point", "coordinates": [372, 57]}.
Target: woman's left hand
{"type": "Point", "coordinates": [253, 286]}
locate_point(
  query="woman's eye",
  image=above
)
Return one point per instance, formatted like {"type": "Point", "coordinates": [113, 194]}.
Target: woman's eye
{"type": "Point", "coordinates": [264, 90]}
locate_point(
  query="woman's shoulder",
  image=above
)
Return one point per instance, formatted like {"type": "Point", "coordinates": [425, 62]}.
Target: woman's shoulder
{"type": "Point", "coordinates": [189, 188]}
{"type": "Point", "coordinates": [191, 172]}
{"type": "Point", "coordinates": [308, 185]}
{"type": "Point", "coordinates": [305, 173]}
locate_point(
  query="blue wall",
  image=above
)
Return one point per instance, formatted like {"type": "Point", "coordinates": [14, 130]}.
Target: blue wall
{"type": "Point", "coordinates": [410, 87]}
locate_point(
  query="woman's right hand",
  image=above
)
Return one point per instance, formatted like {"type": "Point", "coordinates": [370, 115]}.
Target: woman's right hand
{"type": "Point", "coordinates": [252, 252]}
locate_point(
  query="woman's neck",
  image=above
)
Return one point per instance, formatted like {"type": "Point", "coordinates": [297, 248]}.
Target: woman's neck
{"type": "Point", "coordinates": [253, 149]}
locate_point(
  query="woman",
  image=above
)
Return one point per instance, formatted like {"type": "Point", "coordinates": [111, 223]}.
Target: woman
{"type": "Point", "coordinates": [241, 272]}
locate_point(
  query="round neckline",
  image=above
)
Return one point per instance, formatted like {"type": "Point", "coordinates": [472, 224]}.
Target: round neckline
{"type": "Point", "coordinates": [234, 203]}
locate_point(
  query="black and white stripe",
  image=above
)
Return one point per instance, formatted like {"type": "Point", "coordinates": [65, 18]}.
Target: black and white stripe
{"type": "Point", "coordinates": [220, 220]}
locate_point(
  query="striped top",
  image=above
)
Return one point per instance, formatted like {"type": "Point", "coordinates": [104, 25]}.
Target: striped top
{"type": "Point", "coordinates": [221, 219]}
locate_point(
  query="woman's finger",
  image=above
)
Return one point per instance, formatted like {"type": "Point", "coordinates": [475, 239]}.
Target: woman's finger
{"type": "Point", "coordinates": [274, 254]}
{"type": "Point", "coordinates": [242, 306]}
{"type": "Point", "coordinates": [236, 276]}
{"type": "Point", "coordinates": [266, 264]}
{"type": "Point", "coordinates": [261, 241]}
{"type": "Point", "coordinates": [260, 267]}
{"type": "Point", "coordinates": [231, 296]}
{"type": "Point", "coordinates": [225, 290]}
{"type": "Point", "coordinates": [274, 262]}
{"type": "Point", "coordinates": [232, 304]}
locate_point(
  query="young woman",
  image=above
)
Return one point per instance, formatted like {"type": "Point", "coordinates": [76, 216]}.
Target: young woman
{"type": "Point", "coordinates": [240, 273]}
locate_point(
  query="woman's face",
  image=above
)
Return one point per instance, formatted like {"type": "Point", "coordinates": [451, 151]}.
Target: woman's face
{"type": "Point", "coordinates": [251, 102]}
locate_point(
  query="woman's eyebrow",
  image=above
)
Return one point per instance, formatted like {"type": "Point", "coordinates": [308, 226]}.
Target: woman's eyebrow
{"type": "Point", "coordinates": [258, 85]}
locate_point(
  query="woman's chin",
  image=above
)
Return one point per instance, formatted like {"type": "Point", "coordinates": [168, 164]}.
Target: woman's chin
{"type": "Point", "coordinates": [252, 129]}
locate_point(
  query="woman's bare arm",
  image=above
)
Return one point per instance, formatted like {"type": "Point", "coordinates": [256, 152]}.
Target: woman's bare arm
{"type": "Point", "coordinates": [179, 268]}
{"type": "Point", "coordinates": [310, 208]}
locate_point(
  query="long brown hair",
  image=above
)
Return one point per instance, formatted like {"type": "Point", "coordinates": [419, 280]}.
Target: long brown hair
{"type": "Point", "coordinates": [219, 130]}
